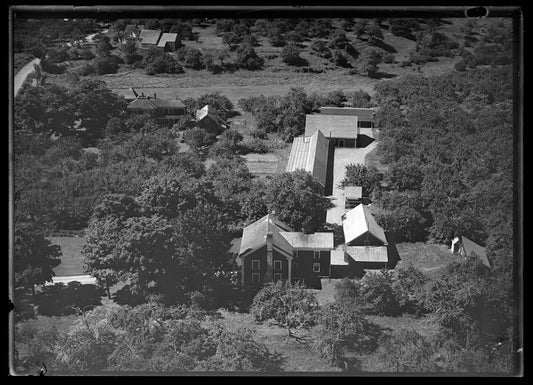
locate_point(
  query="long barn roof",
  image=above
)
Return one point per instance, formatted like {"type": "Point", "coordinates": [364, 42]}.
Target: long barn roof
{"type": "Point", "coordinates": [363, 114]}
{"type": "Point", "coordinates": [311, 155]}
{"type": "Point", "coordinates": [332, 126]}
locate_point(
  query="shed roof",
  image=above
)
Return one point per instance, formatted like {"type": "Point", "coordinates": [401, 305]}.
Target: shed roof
{"type": "Point", "coordinates": [332, 126]}
{"type": "Point", "coordinates": [368, 253]}
{"type": "Point", "coordinates": [353, 192]}
{"type": "Point", "coordinates": [254, 235]}
{"type": "Point", "coordinates": [363, 114]}
{"type": "Point", "coordinates": [311, 155]}
{"type": "Point", "coordinates": [359, 221]}
{"type": "Point", "coordinates": [150, 36]}
{"type": "Point", "coordinates": [167, 38]}
{"type": "Point", "coordinates": [299, 240]}
{"type": "Point", "coordinates": [338, 258]}
{"type": "Point", "coordinates": [472, 248]}
{"type": "Point", "coordinates": [208, 111]}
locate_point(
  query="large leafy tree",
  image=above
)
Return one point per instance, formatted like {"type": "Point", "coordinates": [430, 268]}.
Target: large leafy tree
{"type": "Point", "coordinates": [368, 177]}
{"type": "Point", "coordinates": [296, 198]}
{"type": "Point", "coordinates": [368, 61]}
{"type": "Point", "coordinates": [34, 257]}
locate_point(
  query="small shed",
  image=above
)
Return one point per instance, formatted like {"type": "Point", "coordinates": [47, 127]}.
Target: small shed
{"type": "Point", "coordinates": [169, 42]}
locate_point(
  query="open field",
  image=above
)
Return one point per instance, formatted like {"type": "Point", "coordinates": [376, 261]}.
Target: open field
{"type": "Point", "coordinates": [430, 258]}
{"type": "Point", "coordinates": [72, 259]}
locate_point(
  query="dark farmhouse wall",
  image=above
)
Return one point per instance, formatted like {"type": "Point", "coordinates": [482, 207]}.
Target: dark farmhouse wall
{"type": "Point", "coordinates": [347, 142]}
{"type": "Point", "coordinates": [209, 125]}
{"type": "Point", "coordinates": [261, 256]}
{"type": "Point", "coordinates": [304, 272]}
{"type": "Point", "coordinates": [247, 262]}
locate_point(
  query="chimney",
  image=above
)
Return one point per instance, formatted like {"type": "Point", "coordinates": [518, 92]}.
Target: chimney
{"type": "Point", "coordinates": [456, 243]}
{"type": "Point", "coordinates": [268, 277]}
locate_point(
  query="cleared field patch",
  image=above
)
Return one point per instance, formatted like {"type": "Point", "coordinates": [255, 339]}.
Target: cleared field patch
{"type": "Point", "coordinates": [262, 164]}
{"type": "Point", "coordinates": [72, 258]}
{"type": "Point", "coordinates": [430, 258]}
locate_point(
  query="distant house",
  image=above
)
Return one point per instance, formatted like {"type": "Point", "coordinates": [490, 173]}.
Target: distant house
{"type": "Point", "coordinates": [366, 245]}
{"type": "Point", "coordinates": [467, 248]}
{"type": "Point", "coordinates": [271, 250]}
{"type": "Point", "coordinates": [149, 37]}
{"type": "Point", "coordinates": [339, 129]}
{"type": "Point", "coordinates": [209, 119]}
{"type": "Point", "coordinates": [310, 153]}
{"type": "Point", "coordinates": [365, 116]}
{"type": "Point", "coordinates": [169, 42]}
{"type": "Point", "coordinates": [164, 112]}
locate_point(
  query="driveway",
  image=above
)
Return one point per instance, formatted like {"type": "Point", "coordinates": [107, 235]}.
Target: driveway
{"type": "Point", "coordinates": [343, 157]}
{"type": "Point", "coordinates": [23, 74]}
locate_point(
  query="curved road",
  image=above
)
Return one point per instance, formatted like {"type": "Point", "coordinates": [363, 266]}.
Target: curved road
{"type": "Point", "coordinates": [23, 74]}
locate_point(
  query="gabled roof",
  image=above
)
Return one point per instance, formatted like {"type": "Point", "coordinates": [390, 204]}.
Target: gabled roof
{"type": "Point", "coordinates": [368, 253]}
{"type": "Point", "coordinates": [150, 36]}
{"type": "Point", "coordinates": [299, 240]}
{"type": "Point", "coordinates": [332, 126]}
{"type": "Point", "coordinates": [311, 155]}
{"type": "Point", "coordinates": [167, 38]}
{"type": "Point", "coordinates": [359, 221]}
{"type": "Point", "coordinates": [363, 114]}
{"type": "Point", "coordinates": [208, 111]}
{"type": "Point", "coordinates": [471, 247]}
{"type": "Point", "coordinates": [254, 235]}
{"type": "Point", "coordinates": [142, 104]}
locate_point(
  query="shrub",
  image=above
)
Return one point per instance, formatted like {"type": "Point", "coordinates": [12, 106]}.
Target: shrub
{"type": "Point", "coordinates": [460, 66]}
{"type": "Point", "coordinates": [191, 57]}
{"type": "Point", "coordinates": [388, 58]}
{"type": "Point", "coordinates": [340, 59]}
{"type": "Point", "coordinates": [291, 55]}
{"type": "Point", "coordinates": [290, 305]}
{"type": "Point", "coordinates": [52, 68]}
{"type": "Point", "coordinates": [105, 65]}
{"type": "Point", "coordinates": [198, 137]}
{"type": "Point", "coordinates": [247, 58]}
{"type": "Point", "coordinates": [320, 48]}
{"type": "Point", "coordinates": [378, 296]}
{"type": "Point", "coordinates": [259, 134]}
{"type": "Point", "coordinates": [410, 287]}
{"type": "Point", "coordinates": [253, 145]}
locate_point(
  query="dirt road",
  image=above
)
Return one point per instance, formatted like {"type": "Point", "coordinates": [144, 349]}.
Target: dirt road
{"type": "Point", "coordinates": [23, 74]}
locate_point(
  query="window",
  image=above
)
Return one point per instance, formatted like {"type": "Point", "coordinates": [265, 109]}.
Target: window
{"type": "Point", "coordinates": [295, 267]}
{"type": "Point", "coordinates": [255, 264]}
{"type": "Point", "coordinates": [277, 277]}
{"type": "Point", "coordinates": [255, 278]}
{"type": "Point", "coordinates": [277, 265]}
{"type": "Point", "coordinates": [316, 267]}
{"type": "Point", "coordinates": [316, 256]}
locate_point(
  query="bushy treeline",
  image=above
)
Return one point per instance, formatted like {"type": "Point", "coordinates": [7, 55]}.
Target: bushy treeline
{"type": "Point", "coordinates": [145, 338]}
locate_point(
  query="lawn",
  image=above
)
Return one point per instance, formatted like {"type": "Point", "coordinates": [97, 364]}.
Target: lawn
{"type": "Point", "coordinates": [72, 258]}
{"type": "Point", "coordinates": [430, 258]}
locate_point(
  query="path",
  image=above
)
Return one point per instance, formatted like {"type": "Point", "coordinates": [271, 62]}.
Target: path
{"type": "Point", "coordinates": [23, 74]}
{"type": "Point", "coordinates": [83, 279]}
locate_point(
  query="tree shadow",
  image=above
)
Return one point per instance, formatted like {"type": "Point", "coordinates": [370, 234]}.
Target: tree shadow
{"type": "Point", "coordinates": [384, 46]}
{"type": "Point", "coordinates": [350, 50]}
{"type": "Point", "coordinates": [61, 299]}
{"type": "Point", "coordinates": [232, 114]}
{"type": "Point", "coordinates": [299, 62]}
{"type": "Point", "coordinates": [383, 75]}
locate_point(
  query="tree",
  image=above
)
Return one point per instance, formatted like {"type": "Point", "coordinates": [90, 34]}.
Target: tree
{"type": "Point", "coordinates": [289, 305]}
{"type": "Point", "coordinates": [247, 58]}
{"type": "Point", "coordinates": [296, 198]}
{"type": "Point", "coordinates": [373, 31]}
{"type": "Point", "coordinates": [338, 40]}
{"type": "Point", "coordinates": [359, 99]}
{"type": "Point", "coordinates": [96, 104]}
{"type": "Point", "coordinates": [105, 65]}
{"type": "Point", "coordinates": [404, 27]}
{"type": "Point", "coordinates": [129, 51]}
{"type": "Point", "coordinates": [368, 61]}
{"type": "Point", "coordinates": [191, 57]}
{"type": "Point", "coordinates": [342, 328]}
{"type": "Point", "coordinates": [219, 102]}
{"type": "Point", "coordinates": [198, 137]}
{"type": "Point", "coordinates": [104, 47]}
{"type": "Point", "coordinates": [378, 296]}
{"type": "Point", "coordinates": [44, 109]}
{"type": "Point", "coordinates": [291, 55]}
{"type": "Point", "coordinates": [276, 38]}
{"type": "Point", "coordinates": [34, 257]}
{"type": "Point", "coordinates": [368, 177]}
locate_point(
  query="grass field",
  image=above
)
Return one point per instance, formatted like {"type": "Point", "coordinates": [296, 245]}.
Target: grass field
{"type": "Point", "coordinates": [72, 259]}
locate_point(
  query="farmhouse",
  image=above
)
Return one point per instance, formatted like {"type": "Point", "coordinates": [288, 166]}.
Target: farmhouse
{"type": "Point", "coordinates": [366, 245]}
{"type": "Point", "coordinates": [466, 248]}
{"type": "Point", "coordinates": [169, 42]}
{"type": "Point", "coordinates": [209, 119]}
{"type": "Point", "coordinates": [310, 153]}
{"type": "Point", "coordinates": [271, 251]}
{"type": "Point", "coordinates": [149, 37]}
{"type": "Point", "coordinates": [365, 116]}
{"type": "Point", "coordinates": [164, 112]}
{"type": "Point", "coordinates": [339, 129]}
